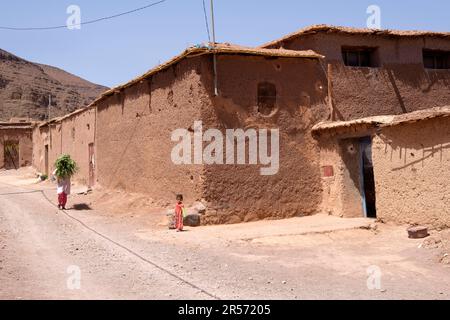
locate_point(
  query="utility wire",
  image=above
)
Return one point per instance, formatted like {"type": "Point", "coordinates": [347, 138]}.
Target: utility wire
{"type": "Point", "coordinates": [206, 21]}
{"type": "Point", "coordinates": [83, 23]}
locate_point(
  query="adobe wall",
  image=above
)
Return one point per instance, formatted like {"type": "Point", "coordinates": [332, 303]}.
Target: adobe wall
{"type": "Point", "coordinates": [38, 147]}
{"type": "Point", "coordinates": [237, 193]}
{"type": "Point", "coordinates": [134, 134]}
{"type": "Point", "coordinates": [77, 133]}
{"type": "Point", "coordinates": [412, 173]}
{"type": "Point", "coordinates": [40, 139]}
{"type": "Point", "coordinates": [24, 137]}
{"type": "Point", "coordinates": [55, 145]}
{"type": "Point", "coordinates": [71, 136]}
{"type": "Point", "coordinates": [400, 84]}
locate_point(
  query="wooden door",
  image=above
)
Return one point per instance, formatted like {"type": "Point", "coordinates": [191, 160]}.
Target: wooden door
{"type": "Point", "coordinates": [11, 155]}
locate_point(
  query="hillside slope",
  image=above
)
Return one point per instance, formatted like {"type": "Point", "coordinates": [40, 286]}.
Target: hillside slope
{"type": "Point", "coordinates": [25, 88]}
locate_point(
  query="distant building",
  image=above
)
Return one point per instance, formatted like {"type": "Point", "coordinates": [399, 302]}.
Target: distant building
{"type": "Point", "coordinates": [16, 144]}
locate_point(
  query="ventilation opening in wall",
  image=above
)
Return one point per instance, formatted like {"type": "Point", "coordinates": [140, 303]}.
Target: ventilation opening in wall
{"type": "Point", "coordinates": [434, 59]}
{"type": "Point", "coordinates": [360, 57]}
{"type": "Point", "coordinates": [267, 98]}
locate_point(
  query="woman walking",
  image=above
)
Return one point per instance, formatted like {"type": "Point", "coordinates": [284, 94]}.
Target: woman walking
{"type": "Point", "coordinates": [65, 169]}
{"type": "Point", "coordinates": [63, 191]}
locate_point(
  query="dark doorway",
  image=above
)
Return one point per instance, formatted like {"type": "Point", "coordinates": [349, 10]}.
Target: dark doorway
{"type": "Point", "coordinates": [368, 178]}
{"type": "Point", "coordinates": [91, 165]}
{"type": "Point", "coordinates": [46, 161]}
{"type": "Point", "coordinates": [11, 155]}
{"type": "Point", "coordinates": [267, 98]}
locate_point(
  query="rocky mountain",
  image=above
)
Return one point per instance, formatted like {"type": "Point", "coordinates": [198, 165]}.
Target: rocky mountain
{"type": "Point", "coordinates": [26, 87]}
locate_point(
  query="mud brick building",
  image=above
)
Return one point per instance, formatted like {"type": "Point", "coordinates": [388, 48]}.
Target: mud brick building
{"type": "Point", "coordinates": [395, 168]}
{"type": "Point", "coordinates": [320, 86]}
{"type": "Point", "coordinates": [128, 145]}
{"type": "Point", "coordinates": [16, 144]}
{"type": "Point", "coordinates": [379, 72]}
{"type": "Point", "coordinates": [397, 171]}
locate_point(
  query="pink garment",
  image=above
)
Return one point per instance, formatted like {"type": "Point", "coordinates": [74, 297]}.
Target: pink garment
{"type": "Point", "coordinates": [179, 216]}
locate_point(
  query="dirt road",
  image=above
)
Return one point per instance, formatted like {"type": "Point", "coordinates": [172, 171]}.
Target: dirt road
{"type": "Point", "coordinates": [128, 257]}
{"type": "Point", "coordinates": [41, 247]}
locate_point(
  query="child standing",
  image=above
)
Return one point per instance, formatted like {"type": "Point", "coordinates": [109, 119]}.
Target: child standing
{"type": "Point", "coordinates": [179, 208]}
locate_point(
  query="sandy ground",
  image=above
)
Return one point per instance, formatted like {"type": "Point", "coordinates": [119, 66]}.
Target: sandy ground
{"type": "Point", "coordinates": [123, 250]}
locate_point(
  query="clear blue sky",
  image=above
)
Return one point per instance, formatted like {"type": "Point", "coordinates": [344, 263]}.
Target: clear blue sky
{"type": "Point", "coordinates": [115, 51]}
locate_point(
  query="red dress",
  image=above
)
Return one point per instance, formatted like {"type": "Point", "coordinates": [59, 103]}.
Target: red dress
{"type": "Point", "coordinates": [63, 191]}
{"type": "Point", "coordinates": [179, 216]}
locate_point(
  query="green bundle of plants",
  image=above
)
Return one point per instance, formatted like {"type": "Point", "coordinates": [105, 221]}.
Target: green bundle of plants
{"type": "Point", "coordinates": [65, 166]}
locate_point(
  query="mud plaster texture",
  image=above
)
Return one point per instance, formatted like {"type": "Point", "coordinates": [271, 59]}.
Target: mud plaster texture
{"type": "Point", "coordinates": [71, 136]}
{"type": "Point", "coordinates": [132, 127]}
{"type": "Point", "coordinates": [24, 138]}
{"type": "Point", "coordinates": [342, 190]}
{"type": "Point", "coordinates": [134, 146]}
{"type": "Point", "coordinates": [397, 84]}
{"type": "Point", "coordinates": [134, 134]}
{"type": "Point", "coordinates": [237, 193]}
{"type": "Point", "coordinates": [411, 163]}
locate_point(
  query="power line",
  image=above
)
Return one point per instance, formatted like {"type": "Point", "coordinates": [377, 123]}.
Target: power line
{"type": "Point", "coordinates": [206, 21]}
{"type": "Point", "coordinates": [83, 23]}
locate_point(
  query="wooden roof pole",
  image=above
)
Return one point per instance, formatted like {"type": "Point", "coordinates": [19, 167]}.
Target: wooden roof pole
{"type": "Point", "coordinates": [330, 92]}
{"type": "Point", "coordinates": [216, 91]}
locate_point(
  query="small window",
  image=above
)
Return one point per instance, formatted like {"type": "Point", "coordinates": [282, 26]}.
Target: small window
{"type": "Point", "coordinates": [358, 57]}
{"type": "Point", "coordinates": [433, 59]}
{"type": "Point", "coordinates": [267, 98]}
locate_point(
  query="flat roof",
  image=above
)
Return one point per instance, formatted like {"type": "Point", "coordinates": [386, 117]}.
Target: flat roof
{"type": "Point", "coordinates": [324, 28]}
{"type": "Point", "coordinates": [218, 48]}
{"type": "Point", "coordinates": [384, 121]}
{"type": "Point", "coordinates": [194, 51]}
{"type": "Point", "coordinates": [13, 127]}
{"type": "Point", "coordinates": [17, 125]}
